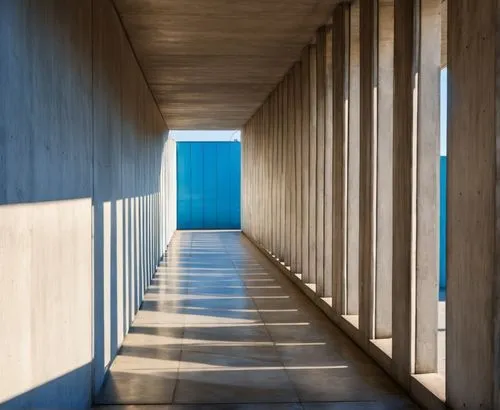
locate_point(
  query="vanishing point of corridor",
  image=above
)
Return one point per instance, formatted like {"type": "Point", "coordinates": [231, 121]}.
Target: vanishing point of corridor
{"type": "Point", "coordinates": [221, 327]}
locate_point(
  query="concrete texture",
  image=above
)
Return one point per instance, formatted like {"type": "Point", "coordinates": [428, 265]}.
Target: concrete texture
{"type": "Point", "coordinates": [211, 65]}
{"type": "Point", "coordinates": [304, 152]}
{"type": "Point", "coordinates": [221, 326]}
{"type": "Point", "coordinates": [129, 143]}
{"type": "Point", "coordinates": [340, 82]}
{"type": "Point", "coordinates": [428, 209]}
{"type": "Point", "coordinates": [404, 162]}
{"type": "Point", "coordinates": [372, 184]}
{"type": "Point", "coordinates": [321, 63]}
{"type": "Point", "coordinates": [328, 167]}
{"type": "Point", "coordinates": [81, 148]}
{"type": "Point", "coordinates": [87, 195]}
{"type": "Point", "coordinates": [353, 169]}
{"type": "Point", "coordinates": [367, 211]}
{"type": "Point", "coordinates": [472, 251]}
{"type": "Point", "coordinates": [383, 146]}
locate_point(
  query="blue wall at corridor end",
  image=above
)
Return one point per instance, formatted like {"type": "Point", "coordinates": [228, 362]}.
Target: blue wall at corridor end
{"type": "Point", "coordinates": [208, 185]}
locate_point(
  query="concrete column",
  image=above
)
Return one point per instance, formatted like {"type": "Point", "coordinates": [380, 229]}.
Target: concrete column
{"type": "Point", "coordinates": [258, 205]}
{"type": "Point", "coordinates": [258, 177]}
{"type": "Point", "coordinates": [268, 153]}
{"type": "Point", "coordinates": [384, 165]}
{"type": "Point", "coordinates": [427, 188]}
{"type": "Point", "coordinates": [248, 176]}
{"type": "Point", "coordinates": [253, 173]}
{"type": "Point", "coordinates": [473, 283]}
{"type": "Point", "coordinates": [287, 146]}
{"type": "Point", "coordinates": [259, 185]}
{"type": "Point", "coordinates": [261, 182]}
{"type": "Point", "coordinates": [281, 172]}
{"type": "Point", "coordinates": [298, 166]}
{"type": "Point", "coordinates": [255, 178]}
{"type": "Point", "coordinates": [320, 159]}
{"type": "Point", "coordinates": [313, 137]}
{"type": "Point", "coordinates": [353, 165]}
{"type": "Point", "coordinates": [367, 165]}
{"type": "Point", "coordinates": [274, 173]}
{"type": "Point", "coordinates": [444, 33]}
{"type": "Point", "coordinates": [339, 160]}
{"type": "Point", "coordinates": [404, 107]}
{"type": "Point", "coordinates": [274, 191]}
{"type": "Point", "coordinates": [305, 66]}
{"type": "Point", "coordinates": [276, 194]}
{"type": "Point", "coordinates": [256, 172]}
{"type": "Point", "coordinates": [244, 179]}
{"type": "Point", "coordinates": [416, 188]}
{"type": "Point", "coordinates": [263, 172]}
{"type": "Point", "coordinates": [292, 191]}
{"type": "Point", "coordinates": [328, 168]}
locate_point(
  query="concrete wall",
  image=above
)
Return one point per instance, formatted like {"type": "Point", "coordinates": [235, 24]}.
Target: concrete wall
{"type": "Point", "coordinates": [87, 197]}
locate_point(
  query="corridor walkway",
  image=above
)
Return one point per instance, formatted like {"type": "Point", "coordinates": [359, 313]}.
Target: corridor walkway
{"type": "Point", "coordinates": [222, 328]}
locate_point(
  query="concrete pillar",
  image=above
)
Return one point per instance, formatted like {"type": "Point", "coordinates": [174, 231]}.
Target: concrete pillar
{"type": "Point", "coordinates": [254, 171]}
{"type": "Point", "coordinates": [416, 188]}
{"type": "Point", "coordinates": [287, 169]}
{"type": "Point", "coordinates": [273, 171]}
{"type": "Point", "coordinates": [367, 164]}
{"type": "Point", "coordinates": [313, 137]}
{"type": "Point", "coordinates": [281, 214]}
{"type": "Point", "coordinates": [444, 33]}
{"type": "Point", "coordinates": [298, 166]}
{"type": "Point", "coordinates": [353, 164]}
{"type": "Point", "coordinates": [339, 145]}
{"type": "Point", "coordinates": [404, 107]}
{"type": "Point", "coordinates": [251, 172]}
{"type": "Point", "coordinates": [260, 175]}
{"type": "Point", "coordinates": [244, 178]}
{"type": "Point", "coordinates": [263, 173]}
{"type": "Point", "coordinates": [268, 179]}
{"type": "Point", "coordinates": [305, 72]}
{"type": "Point", "coordinates": [328, 169]}
{"type": "Point", "coordinates": [276, 194]}
{"type": "Point", "coordinates": [292, 189]}
{"type": "Point", "coordinates": [320, 159]}
{"type": "Point", "coordinates": [427, 188]}
{"type": "Point", "coordinates": [383, 170]}
{"type": "Point", "coordinates": [247, 178]}
{"type": "Point", "coordinates": [274, 165]}
{"type": "Point", "coordinates": [473, 284]}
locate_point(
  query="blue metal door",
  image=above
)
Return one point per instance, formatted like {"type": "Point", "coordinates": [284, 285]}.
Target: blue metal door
{"type": "Point", "coordinates": [208, 185]}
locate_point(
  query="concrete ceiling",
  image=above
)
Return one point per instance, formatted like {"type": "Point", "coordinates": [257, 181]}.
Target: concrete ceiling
{"type": "Point", "coordinates": [211, 63]}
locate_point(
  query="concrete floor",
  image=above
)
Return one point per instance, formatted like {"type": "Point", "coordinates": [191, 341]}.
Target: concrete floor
{"type": "Point", "coordinates": [222, 328]}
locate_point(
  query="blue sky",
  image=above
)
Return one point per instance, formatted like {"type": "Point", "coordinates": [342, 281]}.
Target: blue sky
{"type": "Point", "coordinates": [205, 135]}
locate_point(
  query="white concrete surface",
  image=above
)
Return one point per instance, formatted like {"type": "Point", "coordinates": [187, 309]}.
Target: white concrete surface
{"type": "Point", "coordinates": [87, 198]}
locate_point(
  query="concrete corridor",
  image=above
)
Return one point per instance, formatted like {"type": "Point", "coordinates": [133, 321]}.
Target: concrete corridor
{"type": "Point", "coordinates": [221, 327]}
